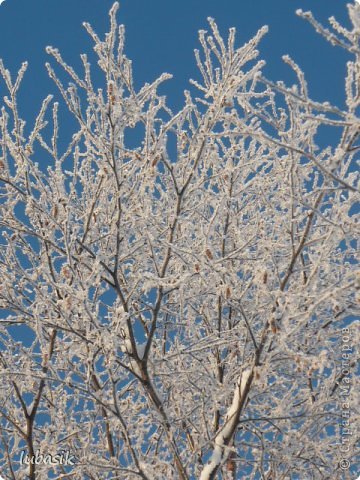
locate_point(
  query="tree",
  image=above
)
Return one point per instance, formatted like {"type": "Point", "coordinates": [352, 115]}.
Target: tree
{"type": "Point", "coordinates": [189, 300]}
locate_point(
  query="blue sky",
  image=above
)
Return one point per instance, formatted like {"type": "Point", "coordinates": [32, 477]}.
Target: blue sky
{"type": "Point", "coordinates": [161, 36]}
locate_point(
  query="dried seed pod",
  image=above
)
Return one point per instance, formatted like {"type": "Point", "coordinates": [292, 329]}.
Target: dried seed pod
{"type": "Point", "coordinates": [45, 360]}
{"type": "Point", "coordinates": [111, 95]}
{"type": "Point", "coordinates": [209, 254]}
{"type": "Point", "coordinates": [66, 272]}
{"type": "Point", "coordinates": [231, 464]}
{"type": "Point", "coordinates": [273, 326]}
{"type": "Point", "coordinates": [55, 211]}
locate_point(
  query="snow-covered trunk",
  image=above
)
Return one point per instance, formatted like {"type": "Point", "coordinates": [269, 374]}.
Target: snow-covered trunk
{"type": "Point", "coordinates": [226, 432]}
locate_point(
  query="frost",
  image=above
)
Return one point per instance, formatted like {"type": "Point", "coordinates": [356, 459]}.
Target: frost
{"type": "Point", "coordinates": [140, 348]}
{"type": "Point", "coordinates": [221, 450]}
{"type": "Point", "coordinates": [221, 239]}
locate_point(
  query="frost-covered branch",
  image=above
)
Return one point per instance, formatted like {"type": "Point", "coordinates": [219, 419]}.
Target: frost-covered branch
{"type": "Point", "coordinates": [176, 303]}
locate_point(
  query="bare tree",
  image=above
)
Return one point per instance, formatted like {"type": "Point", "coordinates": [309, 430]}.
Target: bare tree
{"type": "Point", "coordinates": [183, 305]}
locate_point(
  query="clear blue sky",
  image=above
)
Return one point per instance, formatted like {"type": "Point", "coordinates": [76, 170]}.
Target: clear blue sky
{"type": "Point", "coordinates": [161, 36]}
